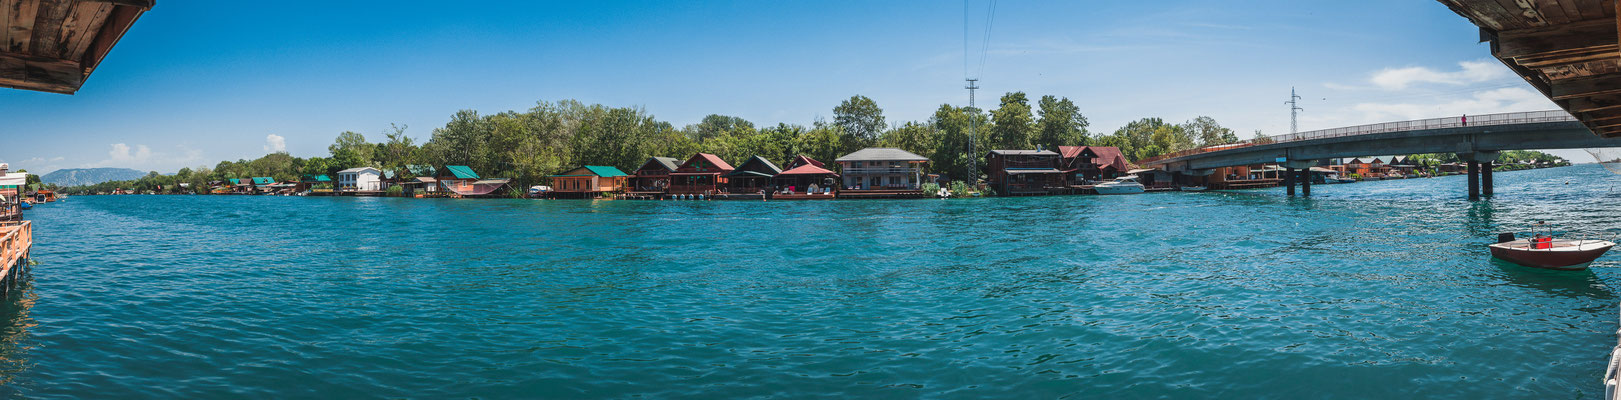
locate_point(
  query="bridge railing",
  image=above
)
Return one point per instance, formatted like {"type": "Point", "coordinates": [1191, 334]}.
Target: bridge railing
{"type": "Point", "coordinates": [1387, 127]}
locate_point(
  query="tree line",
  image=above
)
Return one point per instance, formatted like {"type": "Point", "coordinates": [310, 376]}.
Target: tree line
{"type": "Point", "coordinates": [552, 137]}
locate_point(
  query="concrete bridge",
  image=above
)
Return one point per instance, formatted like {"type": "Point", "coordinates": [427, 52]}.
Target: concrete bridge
{"type": "Point", "coordinates": [1476, 139]}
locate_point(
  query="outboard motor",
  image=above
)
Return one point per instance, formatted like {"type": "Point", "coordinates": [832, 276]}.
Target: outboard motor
{"type": "Point", "coordinates": [1505, 237]}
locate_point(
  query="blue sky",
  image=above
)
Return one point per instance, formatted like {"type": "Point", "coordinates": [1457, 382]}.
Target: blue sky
{"type": "Point", "coordinates": [196, 81]}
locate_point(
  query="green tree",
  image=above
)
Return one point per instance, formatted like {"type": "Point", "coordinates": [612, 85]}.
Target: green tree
{"type": "Point", "coordinates": [860, 117]}
{"type": "Point", "coordinates": [911, 136]}
{"type": "Point", "coordinates": [350, 150]}
{"type": "Point", "coordinates": [1013, 123]}
{"type": "Point", "coordinates": [952, 155]}
{"type": "Point", "coordinates": [1060, 123]}
{"type": "Point", "coordinates": [1208, 132]}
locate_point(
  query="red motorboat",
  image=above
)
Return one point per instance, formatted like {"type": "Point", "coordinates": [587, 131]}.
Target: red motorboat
{"type": "Point", "coordinates": [1544, 251]}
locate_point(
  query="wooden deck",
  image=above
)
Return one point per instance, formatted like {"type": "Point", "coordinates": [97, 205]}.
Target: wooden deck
{"type": "Point", "coordinates": [16, 240]}
{"type": "Point", "coordinates": [803, 196]}
{"type": "Point", "coordinates": [882, 194]}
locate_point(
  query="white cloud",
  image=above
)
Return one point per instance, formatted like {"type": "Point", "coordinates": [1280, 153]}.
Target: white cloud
{"type": "Point", "coordinates": [1469, 72]}
{"type": "Point", "coordinates": [1485, 102]}
{"type": "Point", "coordinates": [121, 154]}
{"type": "Point", "coordinates": [143, 157]}
{"type": "Point", "coordinates": [275, 143]}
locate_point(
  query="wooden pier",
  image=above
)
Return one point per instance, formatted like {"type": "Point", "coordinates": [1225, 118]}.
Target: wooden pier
{"type": "Point", "coordinates": [16, 240]}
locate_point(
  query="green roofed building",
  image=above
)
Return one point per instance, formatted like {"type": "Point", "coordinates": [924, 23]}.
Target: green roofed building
{"type": "Point", "coordinates": [454, 176]}
{"type": "Point", "coordinates": [588, 181]}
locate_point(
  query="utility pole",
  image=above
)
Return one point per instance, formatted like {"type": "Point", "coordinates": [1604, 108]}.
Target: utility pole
{"type": "Point", "coordinates": [973, 156]}
{"type": "Point", "coordinates": [1294, 110]}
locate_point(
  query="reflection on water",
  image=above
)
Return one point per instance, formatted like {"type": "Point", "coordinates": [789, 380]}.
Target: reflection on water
{"type": "Point", "coordinates": [1368, 290]}
{"type": "Point", "coordinates": [15, 325]}
{"type": "Point", "coordinates": [1582, 283]}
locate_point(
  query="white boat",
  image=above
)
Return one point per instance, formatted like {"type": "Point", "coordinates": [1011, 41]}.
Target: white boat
{"type": "Point", "coordinates": [1122, 185]}
{"type": "Point", "coordinates": [1192, 188]}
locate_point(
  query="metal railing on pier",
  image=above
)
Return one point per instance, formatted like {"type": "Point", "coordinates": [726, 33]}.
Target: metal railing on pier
{"type": "Point", "coordinates": [1387, 127]}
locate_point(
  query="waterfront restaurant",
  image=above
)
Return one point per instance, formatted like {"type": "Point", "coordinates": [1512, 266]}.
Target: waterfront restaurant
{"type": "Point", "coordinates": [881, 172]}
{"type": "Point", "coordinates": [704, 173]}
{"type": "Point", "coordinates": [805, 178]}
{"type": "Point", "coordinates": [1023, 172]}
{"type": "Point", "coordinates": [753, 176]}
{"type": "Point", "coordinates": [588, 181]}
{"type": "Point", "coordinates": [653, 176]}
{"type": "Point", "coordinates": [1095, 163]}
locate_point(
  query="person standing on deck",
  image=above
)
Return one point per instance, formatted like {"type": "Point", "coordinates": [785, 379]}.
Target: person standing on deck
{"type": "Point", "coordinates": [1464, 120]}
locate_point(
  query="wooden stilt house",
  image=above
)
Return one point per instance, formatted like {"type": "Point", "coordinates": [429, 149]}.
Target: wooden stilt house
{"type": "Point", "coordinates": [704, 173]}
{"type": "Point", "coordinates": [753, 176]}
{"type": "Point", "coordinates": [589, 181]}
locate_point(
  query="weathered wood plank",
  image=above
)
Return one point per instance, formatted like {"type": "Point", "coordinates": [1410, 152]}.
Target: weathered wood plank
{"type": "Point", "coordinates": [22, 27]}
{"type": "Point", "coordinates": [1587, 36]}
{"type": "Point", "coordinates": [1553, 11]}
{"type": "Point", "coordinates": [6, 7]}
{"type": "Point", "coordinates": [112, 30]}
{"type": "Point", "coordinates": [1525, 15]}
{"type": "Point", "coordinates": [81, 28]}
{"type": "Point", "coordinates": [48, 27]}
{"type": "Point", "coordinates": [142, 4]}
{"type": "Point", "coordinates": [38, 73]}
{"type": "Point", "coordinates": [1586, 87]}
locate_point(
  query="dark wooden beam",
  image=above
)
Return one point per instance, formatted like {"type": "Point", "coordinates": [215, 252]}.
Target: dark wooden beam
{"type": "Point", "coordinates": [1585, 87]}
{"type": "Point", "coordinates": [36, 73]}
{"type": "Point", "coordinates": [142, 4]}
{"type": "Point", "coordinates": [1572, 39]}
{"type": "Point", "coordinates": [113, 29]}
{"type": "Point", "coordinates": [81, 27]}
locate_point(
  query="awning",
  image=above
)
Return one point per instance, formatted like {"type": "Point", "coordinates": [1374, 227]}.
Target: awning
{"type": "Point", "coordinates": [1321, 169]}
{"type": "Point", "coordinates": [807, 169]}
{"type": "Point", "coordinates": [479, 188]}
{"type": "Point", "coordinates": [1033, 171]}
{"type": "Point", "coordinates": [14, 179]}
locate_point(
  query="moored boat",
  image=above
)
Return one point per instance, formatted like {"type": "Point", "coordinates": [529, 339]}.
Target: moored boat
{"type": "Point", "coordinates": [1192, 188]}
{"type": "Point", "coordinates": [1543, 251]}
{"type": "Point", "coordinates": [1122, 185]}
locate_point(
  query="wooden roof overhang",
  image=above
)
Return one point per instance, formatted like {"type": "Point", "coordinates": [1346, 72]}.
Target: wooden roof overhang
{"type": "Point", "coordinates": [1567, 49]}
{"type": "Point", "coordinates": [54, 45]}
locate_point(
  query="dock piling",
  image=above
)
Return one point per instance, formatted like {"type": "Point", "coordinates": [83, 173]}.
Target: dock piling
{"type": "Point", "coordinates": [1474, 180]}
{"type": "Point", "coordinates": [1486, 178]}
{"type": "Point", "coordinates": [1289, 180]}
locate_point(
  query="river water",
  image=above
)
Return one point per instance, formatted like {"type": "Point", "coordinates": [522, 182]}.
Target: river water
{"type": "Point", "coordinates": [1366, 290]}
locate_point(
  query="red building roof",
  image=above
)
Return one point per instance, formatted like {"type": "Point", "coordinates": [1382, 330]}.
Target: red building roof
{"type": "Point", "coordinates": [807, 169]}
{"type": "Point", "coordinates": [706, 163]}
{"type": "Point", "coordinates": [1104, 156]}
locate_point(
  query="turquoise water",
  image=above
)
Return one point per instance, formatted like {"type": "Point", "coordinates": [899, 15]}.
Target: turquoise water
{"type": "Point", "coordinates": [1367, 290]}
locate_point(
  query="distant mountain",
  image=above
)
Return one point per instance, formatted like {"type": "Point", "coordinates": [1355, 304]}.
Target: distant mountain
{"type": "Point", "coordinates": [89, 176]}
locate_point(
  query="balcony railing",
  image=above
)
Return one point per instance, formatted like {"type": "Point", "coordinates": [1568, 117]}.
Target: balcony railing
{"type": "Point", "coordinates": [882, 170]}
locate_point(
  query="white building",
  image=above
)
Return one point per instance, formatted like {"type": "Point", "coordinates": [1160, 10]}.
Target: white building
{"type": "Point", "coordinates": [880, 168]}
{"type": "Point", "coordinates": [362, 179]}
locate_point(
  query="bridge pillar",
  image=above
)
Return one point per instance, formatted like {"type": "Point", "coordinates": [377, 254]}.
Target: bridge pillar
{"type": "Point", "coordinates": [1474, 180]}
{"type": "Point", "coordinates": [1486, 178]}
{"type": "Point", "coordinates": [1305, 182]}
{"type": "Point", "coordinates": [1289, 180]}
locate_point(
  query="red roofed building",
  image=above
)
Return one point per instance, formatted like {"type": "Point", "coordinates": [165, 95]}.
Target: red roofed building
{"type": "Point", "coordinates": [1095, 163]}
{"type": "Point", "coordinates": [806, 178]}
{"type": "Point", "coordinates": [704, 173]}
